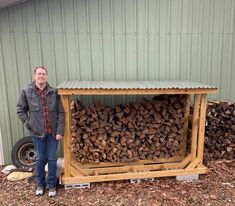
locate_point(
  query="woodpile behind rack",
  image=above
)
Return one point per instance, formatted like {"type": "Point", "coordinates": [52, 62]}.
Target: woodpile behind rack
{"type": "Point", "coordinates": [220, 131]}
{"type": "Point", "coordinates": [148, 129]}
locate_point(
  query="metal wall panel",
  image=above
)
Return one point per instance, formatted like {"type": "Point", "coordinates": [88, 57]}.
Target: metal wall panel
{"type": "Point", "coordinates": [113, 40]}
{"type": "Point", "coordinates": [1, 150]}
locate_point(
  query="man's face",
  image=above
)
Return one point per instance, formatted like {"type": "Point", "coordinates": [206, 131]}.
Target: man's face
{"type": "Point", "coordinates": [40, 76]}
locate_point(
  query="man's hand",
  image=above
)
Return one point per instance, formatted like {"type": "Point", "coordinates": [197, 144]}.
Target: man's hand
{"type": "Point", "coordinates": [59, 137]}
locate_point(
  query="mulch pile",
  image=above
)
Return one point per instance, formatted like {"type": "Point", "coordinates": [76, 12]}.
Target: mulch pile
{"type": "Point", "coordinates": [215, 188]}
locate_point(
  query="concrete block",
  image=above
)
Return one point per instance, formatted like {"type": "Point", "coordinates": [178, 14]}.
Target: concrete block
{"type": "Point", "coordinates": [78, 186]}
{"type": "Point", "coordinates": [187, 177]}
{"type": "Point", "coordinates": [141, 180]}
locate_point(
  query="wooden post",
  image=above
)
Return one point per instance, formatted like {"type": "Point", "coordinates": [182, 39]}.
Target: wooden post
{"type": "Point", "coordinates": [67, 135]}
{"type": "Point", "coordinates": [185, 127]}
{"type": "Point", "coordinates": [195, 126]}
{"type": "Point", "coordinates": [202, 121]}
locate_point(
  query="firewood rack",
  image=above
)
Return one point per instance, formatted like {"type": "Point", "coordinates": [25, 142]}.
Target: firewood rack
{"type": "Point", "coordinates": [184, 164]}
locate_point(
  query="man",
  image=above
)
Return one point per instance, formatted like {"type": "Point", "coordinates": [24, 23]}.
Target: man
{"type": "Point", "coordinates": [40, 109]}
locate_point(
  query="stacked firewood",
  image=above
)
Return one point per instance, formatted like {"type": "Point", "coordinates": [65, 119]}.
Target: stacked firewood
{"type": "Point", "coordinates": [148, 129]}
{"type": "Point", "coordinates": [220, 131]}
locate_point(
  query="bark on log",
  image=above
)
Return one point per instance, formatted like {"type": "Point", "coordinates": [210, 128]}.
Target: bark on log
{"type": "Point", "coordinates": [148, 129]}
{"type": "Point", "coordinates": [219, 131]}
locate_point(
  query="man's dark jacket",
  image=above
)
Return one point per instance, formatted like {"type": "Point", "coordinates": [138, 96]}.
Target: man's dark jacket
{"type": "Point", "coordinates": [29, 110]}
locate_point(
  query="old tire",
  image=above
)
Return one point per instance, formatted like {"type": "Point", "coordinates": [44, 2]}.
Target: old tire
{"type": "Point", "coordinates": [23, 153]}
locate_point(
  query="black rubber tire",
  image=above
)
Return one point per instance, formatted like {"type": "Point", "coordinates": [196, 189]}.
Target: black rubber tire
{"type": "Point", "coordinates": [23, 153]}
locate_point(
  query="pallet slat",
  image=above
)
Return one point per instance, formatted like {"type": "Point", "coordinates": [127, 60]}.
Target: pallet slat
{"type": "Point", "coordinates": [133, 175]}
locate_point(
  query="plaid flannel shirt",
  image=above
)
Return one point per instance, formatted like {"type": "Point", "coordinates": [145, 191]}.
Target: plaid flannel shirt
{"type": "Point", "coordinates": [47, 124]}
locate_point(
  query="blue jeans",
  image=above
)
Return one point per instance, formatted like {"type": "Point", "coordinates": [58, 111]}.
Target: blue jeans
{"type": "Point", "coordinates": [46, 148]}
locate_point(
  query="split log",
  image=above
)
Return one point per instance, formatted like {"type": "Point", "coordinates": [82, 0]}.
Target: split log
{"type": "Point", "coordinates": [219, 131]}
{"type": "Point", "coordinates": [148, 129]}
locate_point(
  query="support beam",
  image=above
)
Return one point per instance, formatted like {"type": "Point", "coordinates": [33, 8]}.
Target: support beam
{"type": "Point", "coordinates": [139, 91]}
{"type": "Point", "coordinates": [133, 175]}
{"type": "Point", "coordinates": [75, 172]}
{"type": "Point", "coordinates": [184, 163]}
{"type": "Point", "coordinates": [193, 164]}
{"type": "Point", "coordinates": [126, 169]}
{"type": "Point", "coordinates": [116, 164]}
{"type": "Point", "coordinates": [195, 126]}
{"type": "Point", "coordinates": [202, 122]}
{"type": "Point", "coordinates": [67, 135]}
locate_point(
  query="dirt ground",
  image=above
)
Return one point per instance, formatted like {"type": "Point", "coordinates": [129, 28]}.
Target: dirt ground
{"type": "Point", "coordinates": [215, 188]}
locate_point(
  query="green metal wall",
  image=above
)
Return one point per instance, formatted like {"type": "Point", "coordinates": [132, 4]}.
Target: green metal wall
{"type": "Point", "coordinates": [113, 40]}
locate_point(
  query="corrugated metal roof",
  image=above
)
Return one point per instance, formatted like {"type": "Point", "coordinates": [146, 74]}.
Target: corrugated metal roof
{"type": "Point", "coordinates": [133, 85]}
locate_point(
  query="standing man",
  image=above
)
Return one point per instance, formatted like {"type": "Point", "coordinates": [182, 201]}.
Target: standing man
{"type": "Point", "coordinates": [40, 109]}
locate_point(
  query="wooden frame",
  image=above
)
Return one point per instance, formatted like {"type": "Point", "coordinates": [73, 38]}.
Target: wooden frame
{"type": "Point", "coordinates": [76, 173]}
